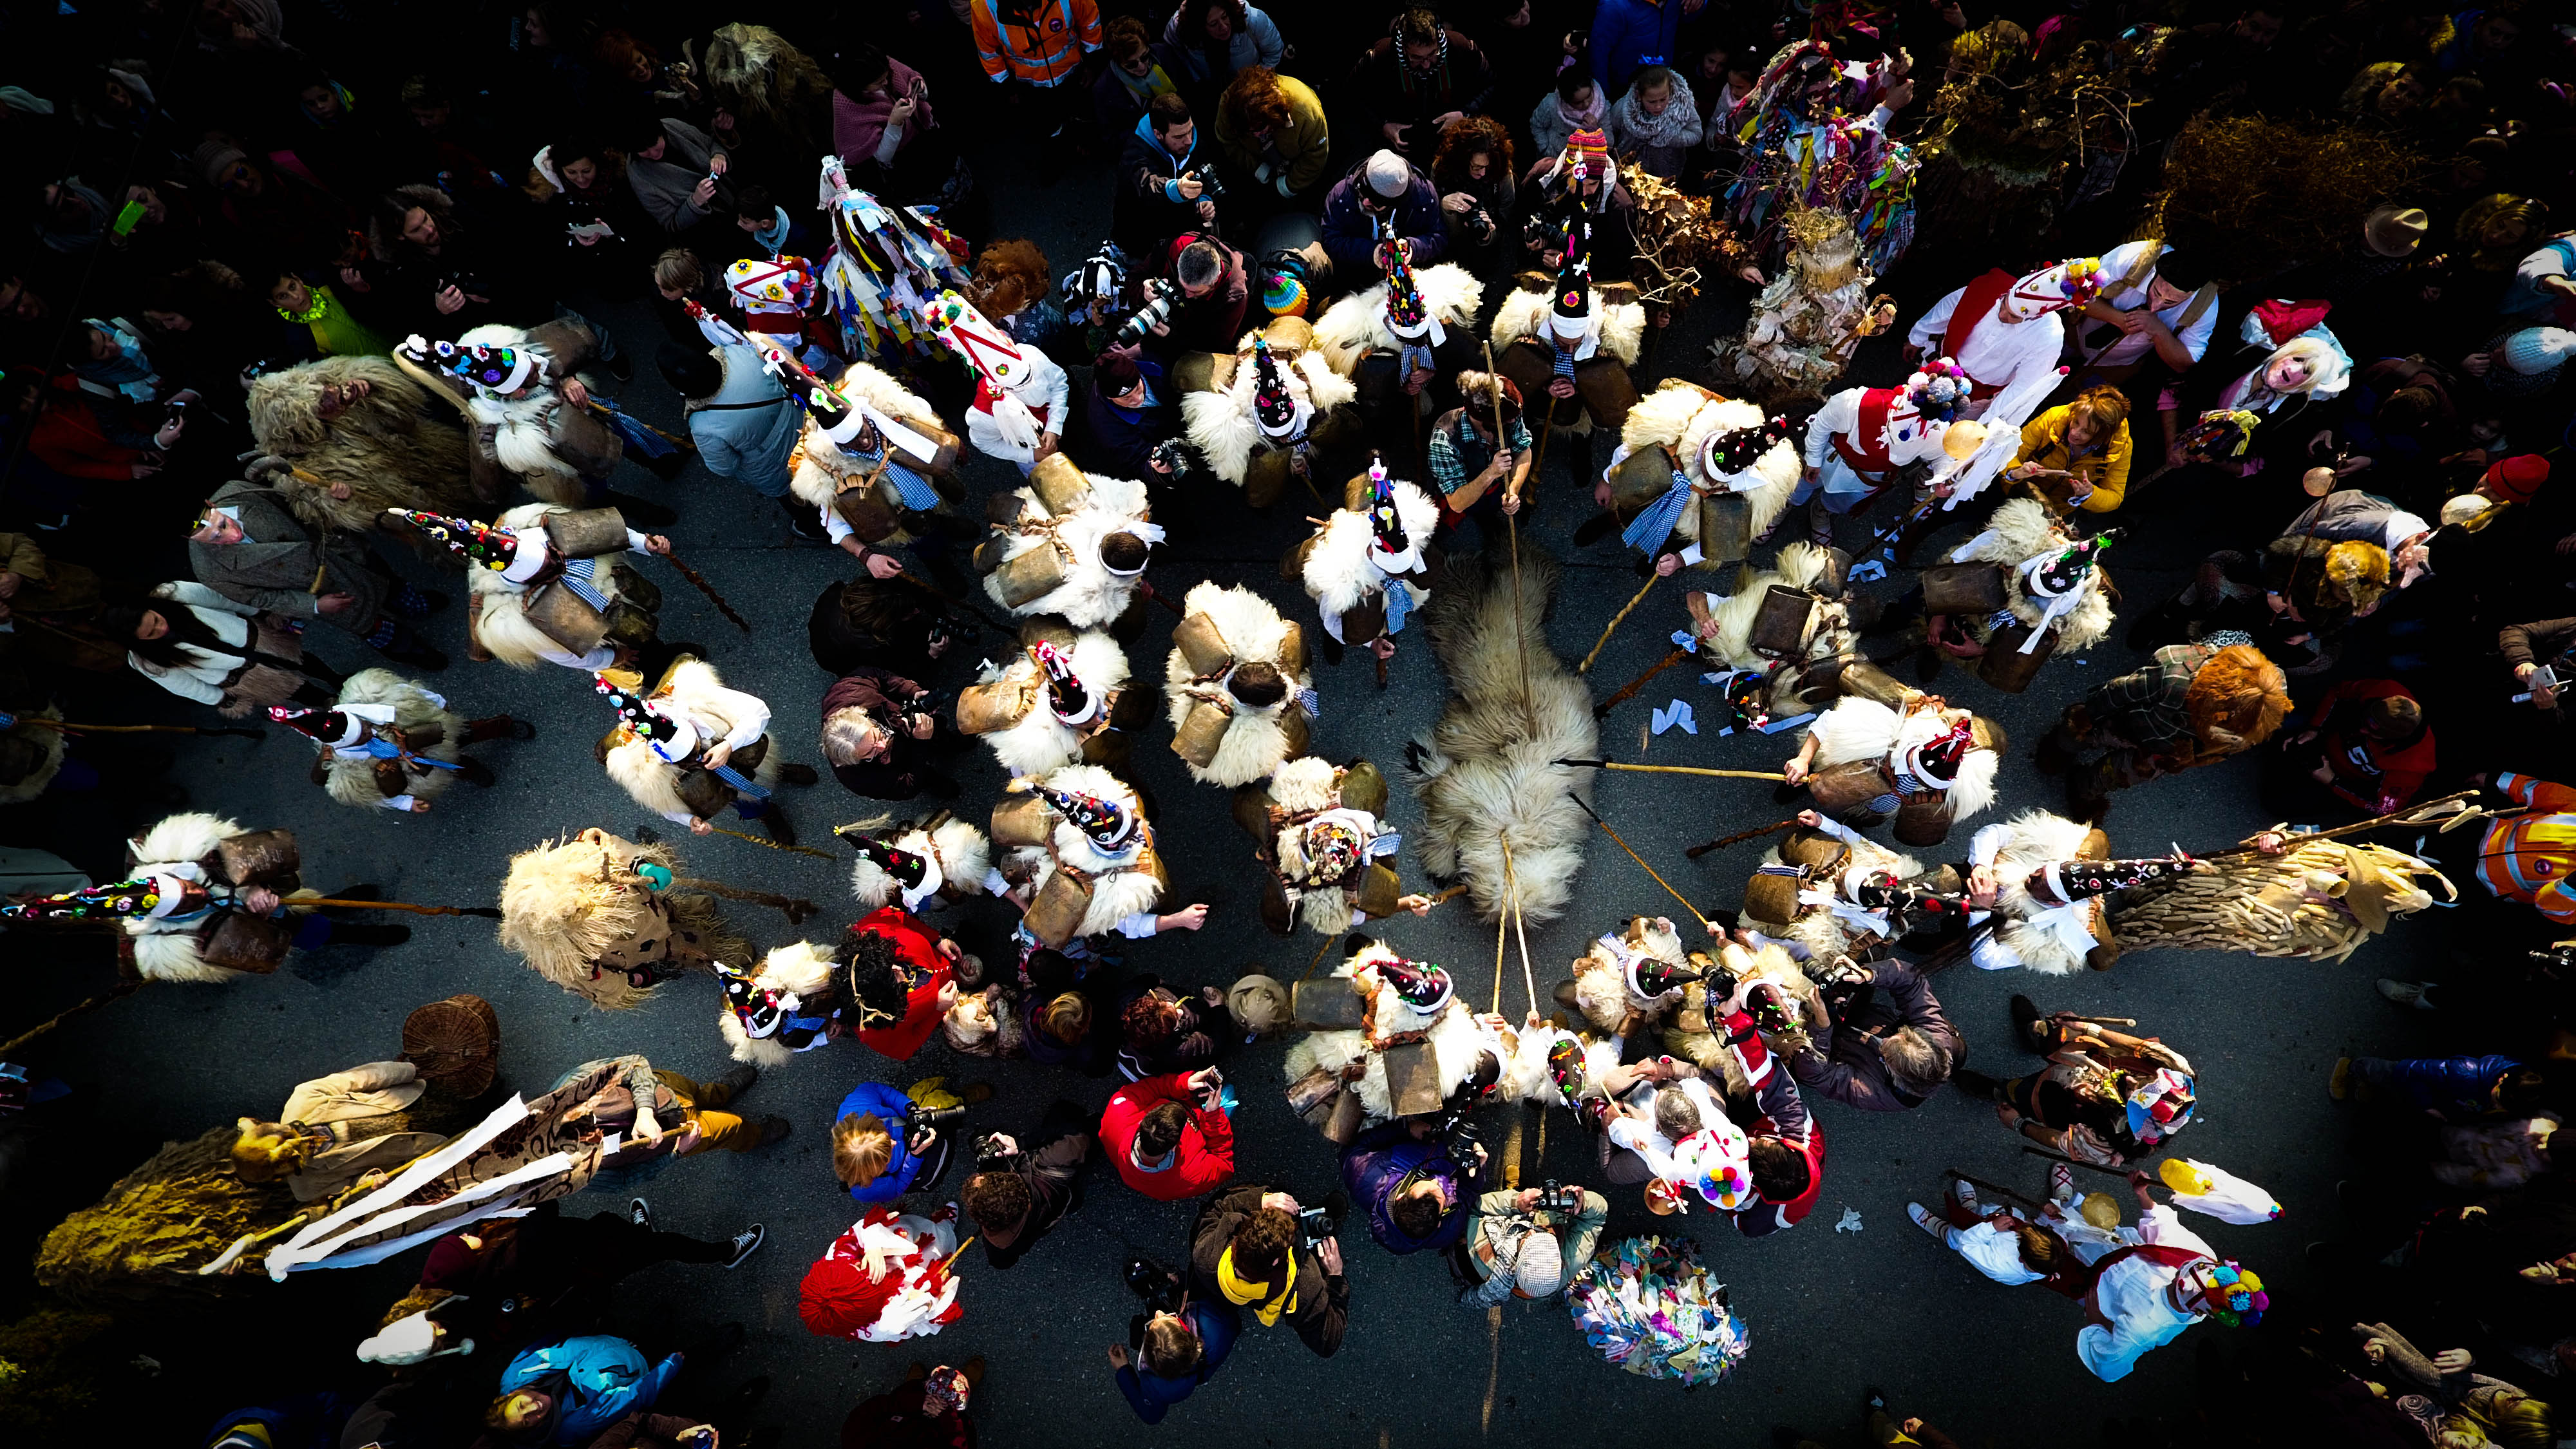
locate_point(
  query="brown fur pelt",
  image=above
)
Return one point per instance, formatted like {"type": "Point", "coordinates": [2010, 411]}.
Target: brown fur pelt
{"type": "Point", "coordinates": [2236, 701]}
{"type": "Point", "coordinates": [1009, 275]}
{"type": "Point", "coordinates": [763, 78]}
{"type": "Point", "coordinates": [394, 449]}
{"type": "Point", "coordinates": [558, 913]}
{"type": "Point", "coordinates": [2252, 196]}
{"type": "Point", "coordinates": [160, 1223]}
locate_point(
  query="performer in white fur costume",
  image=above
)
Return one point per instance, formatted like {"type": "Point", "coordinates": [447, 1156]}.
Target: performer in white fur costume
{"type": "Point", "coordinates": [1322, 834]}
{"type": "Point", "coordinates": [1571, 342]}
{"type": "Point", "coordinates": [1076, 548]}
{"type": "Point", "coordinates": [1237, 686]}
{"type": "Point", "coordinates": [2052, 930]}
{"type": "Point", "coordinates": [1907, 754]}
{"type": "Point", "coordinates": [1367, 567]}
{"type": "Point", "coordinates": [1777, 902]}
{"type": "Point", "coordinates": [871, 491]}
{"type": "Point", "coordinates": [594, 601]}
{"type": "Point", "coordinates": [1696, 478]}
{"type": "Point", "coordinates": [1082, 817]}
{"type": "Point", "coordinates": [520, 385]}
{"type": "Point", "coordinates": [1260, 416]}
{"type": "Point", "coordinates": [1406, 999]}
{"type": "Point", "coordinates": [2053, 585]}
{"type": "Point", "coordinates": [1054, 702]}
{"type": "Point", "coordinates": [1777, 640]}
{"type": "Point", "coordinates": [1638, 970]}
{"type": "Point", "coordinates": [1399, 338]}
{"type": "Point", "coordinates": [940, 858]}
{"type": "Point", "coordinates": [789, 1003]}
{"type": "Point", "coordinates": [1021, 397]}
{"type": "Point", "coordinates": [691, 747]}
{"type": "Point", "coordinates": [389, 743]}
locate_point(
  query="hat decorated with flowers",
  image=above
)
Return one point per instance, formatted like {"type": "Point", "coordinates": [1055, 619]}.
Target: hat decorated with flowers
{"type": "Point", "coordinates": [1109, 825]}
{"type": "Point", "coordinates": [2068, 285]}
{"type": "Point", "coordinates": [142, 898]}
{"type": "Point", "coordinates": [330, 726]}
{"type": "Point", "coordinates": [670, 738]}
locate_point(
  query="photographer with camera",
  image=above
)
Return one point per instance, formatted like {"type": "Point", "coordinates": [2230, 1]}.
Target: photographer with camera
{"type": "Point", "coordinates": [1528, 1244]}
{"type": "Point", "coordinates": [1017, 1194]}
{"type": "Point", "coordinates": [1165, 186]}
{"type": "Point", "coordinates": [1414, 1179]}
{"type": "Point", "coordinates": [1170, 1137]}
{"type": "Point", "coordinates": [1177, 1343]}
{"type": "Point", "coordinates": [1131, 410]}
{"type": "Point", "coordinates": [884, 1144]}
{"type": "Point", "coordinates": [2364, 750]}
{"type": "Point", "coordinates": [1260, 1250]}
{"type": "Point", "coordinates": [1210, 291]}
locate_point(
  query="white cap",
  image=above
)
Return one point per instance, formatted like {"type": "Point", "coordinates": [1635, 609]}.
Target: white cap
{"type": "Point", "coordinates": [529, 559]}
{"type": "Point", "coordinates": [1388, 175]}
{"type": "Point", "coordinates": [1540, 1268]}
{"type": "Point", "coordinates": [409, 1340]}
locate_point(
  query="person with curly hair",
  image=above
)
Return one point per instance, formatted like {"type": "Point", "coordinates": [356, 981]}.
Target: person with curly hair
{"type": "Point", "coordinates": [1018, 1194]}
{"type": "Point", "coordinates": [1473, 173]}
{"type": "Point", "coordinates": [1272, 128]}
{"type": "Point", "coordinates": [902, 977]}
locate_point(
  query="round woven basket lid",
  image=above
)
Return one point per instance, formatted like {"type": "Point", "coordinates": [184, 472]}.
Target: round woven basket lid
{"type": "Point", "coordinates": [455, 1043]}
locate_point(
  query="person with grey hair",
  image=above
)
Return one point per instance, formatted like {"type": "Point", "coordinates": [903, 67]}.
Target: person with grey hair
{"type": "Point", "coordinates": [1210, 289]}
{"type": "Point", "coordinates": [1879, 1040]}
{"type": "Point", "coordinates": [1521, 1245]}
{"type": "Point", "coordinates": [1667, 1099]}
{"type": "Point", "coordinates": [882, 736]}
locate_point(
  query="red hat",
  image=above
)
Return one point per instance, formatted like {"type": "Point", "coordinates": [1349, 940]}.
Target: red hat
{"type": "Point", "coordinates": [2516, 479]}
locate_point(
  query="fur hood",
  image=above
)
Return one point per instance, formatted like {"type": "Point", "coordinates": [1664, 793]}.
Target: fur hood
{"type": "Point", "coordinates": [1338, 572]}
{"type": "Point", "coordinates": [799, 966]}
{"type": "Point", "coordinates": [1119, 888]}
{"type": "Point", "coordinates": [353, 782]}
{"type": "Point", "coordinates": [1309, 786]}
{"type": "Point", "coordinates": [962, 852]}
{"type": "Point", "coordinates": [1037, 741]}
{"type": "Point", "coordinates": [1090, 596]}
{"type": "Point", "coordinates": [389, 451]}
{"type": "Point", "coordinates": [559, 914]}
{"type": "Point", "coordinates": [1456, 1036]}
{"type": "Point", "coordinates": [1601, 987]}
{"type": "Point", "coordinates": [1864, 729]}
{"type": "Point", "coordinates": [500, 614]}
{"type": "Point", "coordinates": [1355, 326]}
{"type": "Point", "coordinates": [2022, 530]}
{"type": "Point", "coordinates": [2236, 700]}
{"type": "Point", "coordinates": [1800, 566]}
{"type": "Point", "coordinates": [985, 1023]}
{"type": "Point", "coordinates": [1305, 786]}
{"type": "Point", "coordinates": [869, 385]}
{"type": "Point", "coordinates": [1220, 421]}
{"type": "Point", "coordinates": [1256, 740]}
{"type": "Point", "coordinates": [180, 839]}
{"type": "Point", "coordinates": [1683, 416]}
{"type": "Point", "coordinates": [1524, 313]}
{"type": "Point", "coordinates": [2027, 842]}
{"type": "Point", "coordinates": [698, 691]}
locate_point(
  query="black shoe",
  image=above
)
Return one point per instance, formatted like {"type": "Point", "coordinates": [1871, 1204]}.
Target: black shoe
{"type": "Point", "coordinates": [521, 729]}
{"type": "Point", "coordinates": [803, 520]}
{"type": "Point", "coordinates": [773, 817]}
{"type": "Point", "coordinates": [774, 1129]}
{"type": "Point", "coordinates": [475, 771]}
{"type": "Point", "coordinates": [745, 1243]}
{"type": "Point", "coordinates": [736, 1081]}
{"type": "Point", "coordinates": [798, 774]}
{"type": "Point", "coordinates": [1591, 530]}
{"type": "Point", "coordinates": [2025, 1017]}
{"type": "Point", "coordinates": [414, 654]}
{"type": "Point", "coordinates": [642, 512]}
{"type": "Point", "coordinates": [640, 1213]}
{"type": "Point", "coordinates": [345, 934]}
{"type": "Point", "coordinates": [1977, 1084]}
{"type": "Point", "coordinates": [1332, 650]}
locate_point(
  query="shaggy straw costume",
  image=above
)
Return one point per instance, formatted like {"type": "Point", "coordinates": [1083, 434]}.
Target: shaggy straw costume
{"type": "Point", "coordinates": [1223, 739]}
{"type": "Point", "coordinates": [584, 916]}
{"type": "Point", "coordinates": [189, 845]}
{"type": "Point", "coordinates": [388, 449]}
{"type": "Point", "coordinates": [1455, 1034]}
{"type": "Point", "coordinates": [1072, 521]}
{"type": "Point", "coordinates": [416, 713]}
{"type": "Point", "coordinates": [1310, 802]}
{"type": "Point", "coordinates": [819, 471]}
{"type": "Point", "coordinates": [1043, 845]}
{"type": "Point", "coordinates": [1011, 706]}
{"type": "Point", "coordinates": [1218, 413]}
{"type": "Point", "coordinates": [1806, 323]}
{"type": "Point", "coordinates": [501, 622]}
{"type": "Point", "coordinates": [2318, 901]}
{"type": "Point", "coordinates": [1669, 433]}
{"type": "Point", "coordinates": [553, 448]}
{"type": "Point", "coordinates": [1486, 772]}
{"type": "Point", "coordinates": [151, 1232]}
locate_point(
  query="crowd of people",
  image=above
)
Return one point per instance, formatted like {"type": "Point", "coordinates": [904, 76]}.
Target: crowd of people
{"type": "Point", "coordinates": [304, 307]}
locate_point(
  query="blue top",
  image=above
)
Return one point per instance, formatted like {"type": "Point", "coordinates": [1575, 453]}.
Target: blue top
{"type": "Point", "coordinates": [894, 1109]}
{"type": "Point", "coordinates": [1151, 1395]}
{"type": "Point", "coordinates": [605, 1380]}
{"type": "Point", "coordinates": [2461, 1089]}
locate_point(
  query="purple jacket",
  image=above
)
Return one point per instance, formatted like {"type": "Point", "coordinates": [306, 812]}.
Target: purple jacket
{"type": "Point", "coordinates": [1376, 1164]}
{"type": "Point", "coordinates": [1844, 1065]}
{"type": "Point", "coordinates": [1350, 234]}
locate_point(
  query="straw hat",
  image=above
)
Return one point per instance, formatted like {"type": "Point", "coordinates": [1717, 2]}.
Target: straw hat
{"type": "Point", "coordinates": [455, 1043]}
{"type": "Point", "coordinates": [1259, 1004]}
{"type": "Point", "coordinates": [2395, 231]}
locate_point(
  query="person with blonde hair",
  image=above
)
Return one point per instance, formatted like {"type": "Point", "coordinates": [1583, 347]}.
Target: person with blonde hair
{"type": "Point", "coordinates": [2077, 456]}
{"type": "Point", "coordinates": [877, 1151]}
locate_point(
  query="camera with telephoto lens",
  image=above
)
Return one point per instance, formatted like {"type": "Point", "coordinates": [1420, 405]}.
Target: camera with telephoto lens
{"type": "Point", "coordinates": [1560, 1197]}
{"type": "Point", "coordinates": [937, 1116]}
{"type": "Point", "coordinates": [990, 1158]}
{"type": "Point", "coordinates": [1210, 189]}
{"type": "Point", "coordinates": [1157, 311]}
{"type": "Point", "coordinates": [1173, 456]}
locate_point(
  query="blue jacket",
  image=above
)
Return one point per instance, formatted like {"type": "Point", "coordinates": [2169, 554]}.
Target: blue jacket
{"type": "Point", "coordinates": [1350, 237]}
{"type": "Point", "coordinates": [750, 427]}
{"type": "Point", "coordinates": [894, 1109]}
{"type": "Point", "coordinates": [1374, 1166]}
{"type": "Point", "coordinates": [2460, 1088]}
{"type": "Point", "coordinates": [1629, 35]}
{"type": "Point", "coordinates": [1152, 1395]}
{"type": "Point", "coordinates": [603, 1379]}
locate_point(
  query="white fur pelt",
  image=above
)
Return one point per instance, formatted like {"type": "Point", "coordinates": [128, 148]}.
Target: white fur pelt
{"type": "Point", "coordinates": [1684, 417]}
{"type": "Point", "coordinates": [697, 691]}
{"type": "Point", "coordinates": [523, 435]}
{"type": "Point", "coordinates": [2022, 530]}
{"type": "Point", "coordinates": [962, 852]}
{"type": "Point", "coordinates": [1119, 888]}
{"type": "Point", "coordinates": [1799, 566]}
{"type": "Point", "coordinates": [501, 621]}
{"type": "Point", "coordinates": [1823, 933]}
{"type": "Point", "coordinates": [2033, 839]}
{"type": "Point", "coordinates": [1305, 787]}
{"type": "Point", "coordinates": [1338, 573]}
{"type": "Point", "coordinates": [1220, 421]}
{"type": "Point", "coordinates": [863, 383]}
{"type": "Point", "coordinates": [1355, 326]}
{"type": "Point", "coordinates": [799, 966]}
{"type": "Point", "coordinates": [167, 950]}
{"type": "Point", "coordinates": [1524, 313]}
{"type": "Point", "coordinates": [1864, 729]}
{"type": "Point", "coordinates": [1601, 977]}
{"type": "Point", "coordinates": [1090, 595]}
{"type": "Point", "coordinates": [1483, 773]}
{"type": "Point", "coordinates": [1254, 742]}
{"type": "Point", "coordinates": [1038, 742]}
{"type": "Point", "coordinates": [1771, 964]}
{"type": "Point", "coordinates": [353, 782]}
{"type": "Point", "coordinates": [1456, 1037]}
{"type": "Point", "coordinates": [50, 742]}
{"type": "Point", "coordinates": [1525, 1074]}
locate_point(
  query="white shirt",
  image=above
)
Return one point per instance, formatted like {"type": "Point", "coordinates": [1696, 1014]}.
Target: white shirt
{"type": "Point", "coordinates": [2126, 348]}
{"type": "Point", "coordinates": [1994, 1251]}
{"type": "Point", "coordinates": [2131, 1294]}
{"type": "Point", "coordinates": [1998, 353]}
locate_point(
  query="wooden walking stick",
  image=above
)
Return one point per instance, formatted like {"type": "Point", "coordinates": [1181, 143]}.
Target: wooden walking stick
{"type": "Point", "coordinates": [487, 912]}
{"type": "Point", "coordinates": [1696, 913]}
{"type": "Point", "coordinates": [774, 845]}
{"type": "Point", "coordinates": [117, 992]}
{"type": "Point", "coordinates": [1520, 932]}
{"type": "Point", "coordinates": [245, 731]}
{"type": "Point", "coordinates": [1676, 770]}
{"type": "Point", "coordinates": [1512, 523]}
{"type": "Point", "coordinates": [1629, 690]}
{"type": "Point", "coordinates": [2118, 1172]}
{"type": "Point", "coordinates": [1723, 841]}
{"type": "Point", "coordinates": [1998, 1189]}
{"type": "Point", "coordinates": [1616, 620]}
{"type": "Point", "coordinates": [797, 909]}
{"type": "Point", "coordinates": [693, 576]}
{"type": "Point", "coordinates": [2423, 814]}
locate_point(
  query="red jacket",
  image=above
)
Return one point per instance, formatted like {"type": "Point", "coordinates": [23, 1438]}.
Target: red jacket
{"type": "Point", "coordinates": [1203, 1161]}
{"type": "Point", "coordinates": [2368, 774]}
{"type": "Point", "coordinates": [916, 945]}
{"type": "Point", "coordinates": [70, 437]}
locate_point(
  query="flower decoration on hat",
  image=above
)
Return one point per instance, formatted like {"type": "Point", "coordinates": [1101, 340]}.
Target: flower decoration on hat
{"type": "Point", "coordinates": [137, 899]}
{"type": "Point", "coordinates": [2057, 575]}
{"type": "Point", "coordinates": [1729, 455]}
{"type": "Point", "coordinates": [1273, 405]}
{"type": "Point", "coordinates": [330, 726]}
{"type": "Point", "coordinates": [1937, 392]}
{"type": "Point", "coordinates": [1109, 825]}
{"type": "Point", "coordinates": [1716, 1162]}
{"type": "Point", "coordinates": [1073, 701]}
{"type": "Point", "coordinates": [1386, 524]}
{"type": "Point", "coordinates": [1418, 984]}
{"type": "Point", "coordinates": [1333, 850]}
{"type": "Point", "coordinates": [982, 346]}
{"type": "Point", "coordinates": [670, 738]}
{"type": "Point", "coordinates": [481, 545]}
{"type": "Point", "coordinates": [495, 369]}
{"type": "Point", "coordinates": [786, 285]}
{"type": "Point", "coordinates": [2068, 285]}
{"type": "Point", "coordinates": [1565, 1067]}
{"type": "Point", "coordinates": [1407, 316]}
{"type": "Point", "coordinates": [2078, 880]}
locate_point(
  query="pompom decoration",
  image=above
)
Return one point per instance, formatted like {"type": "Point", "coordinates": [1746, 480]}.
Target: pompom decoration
{"type": "Point", "coordinates": [1939, 390]}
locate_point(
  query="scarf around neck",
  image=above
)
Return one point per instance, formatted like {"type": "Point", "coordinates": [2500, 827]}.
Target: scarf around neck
{"type": "Point", "coordinates": [1256, 1296]}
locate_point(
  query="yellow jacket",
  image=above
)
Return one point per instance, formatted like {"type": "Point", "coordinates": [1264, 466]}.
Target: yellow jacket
{"type": "Point", "coordinates": [2105, 466]}
{"type": "Point", "coordinates": [1305, 143]}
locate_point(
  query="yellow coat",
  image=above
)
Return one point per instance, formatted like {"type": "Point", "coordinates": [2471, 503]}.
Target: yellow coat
{"type": "Point", "coordinates": [2105, 467]}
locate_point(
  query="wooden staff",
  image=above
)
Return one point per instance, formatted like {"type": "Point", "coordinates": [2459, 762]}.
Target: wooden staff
{"type": "Point", "coordinates": [1629, 690]}
{"type": "Point", "coordinates": [685, 445]}
{"type": "Point", "coordinates": [487, 912]}
{"type": "Point", "coordinates": [693, 576]}
{"type": "Point", "coordinates": [774, 845]}
{"type": "Point", "coordinates": [2118, 1172]}
{"type": "Point", "coordinates": [1696, 913]}
{"type": "Point", "coordinates": [2411, 815]}
{"type": "Point", "coordinates": [245, 731]}
{"type": "Point", "coordinates": [1160, 598]}
{"type": "Point", "coordinates": [797, 909]}
{"type": "Point", "coordinates": [1723, 841]}
{"type": "Point", "coordinates": [117, 992]}
{"type": "Point", "coordinates": [1998, 1189]}
{"type": "Point", "coordinates": [951, 1260]}
{"type": "Point", "coordinates": [1676, 770]}
{"type": "Point", "coordinates": [1520, 932]}
{"type": "Point", "coordinates": [1512, 522]}
{"type": "Point", "coordinates": [1652, 579]}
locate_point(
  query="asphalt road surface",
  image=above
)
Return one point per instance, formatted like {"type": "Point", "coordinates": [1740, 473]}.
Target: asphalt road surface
{"type": "Point", "coordinates": [1828, 1310]}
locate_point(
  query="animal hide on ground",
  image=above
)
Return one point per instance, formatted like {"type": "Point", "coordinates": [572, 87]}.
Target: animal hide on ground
{"type": "Point", "coordinates": [1486, 772]}
{"type": "Point", "coordinates": [799, 966]}
{"type": "Point", "coordinates": [353, 782]}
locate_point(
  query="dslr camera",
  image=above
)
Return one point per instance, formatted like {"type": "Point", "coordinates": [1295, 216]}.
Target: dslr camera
{"type": "Point", "coordinates": [937, 1116]}
{"type": "Point", "coordinates": [1157, 311]}
{"type": "Point", "coordinates": [1314, 1225]}
{"type": "Point", "coordinates": [1210, 188]}
{"type": "Point", "coordinates": [1560, 1197]}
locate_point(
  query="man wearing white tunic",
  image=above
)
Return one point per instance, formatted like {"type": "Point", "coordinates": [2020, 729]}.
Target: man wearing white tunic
{"type": "Point", "coordinates": [2163, 1281]}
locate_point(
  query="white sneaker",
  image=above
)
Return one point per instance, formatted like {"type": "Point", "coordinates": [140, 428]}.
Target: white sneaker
{"type": "Point", "coordinates": [1966, 1192]}
{"type": "Point", "coordinates": [2416, 995]}
{"type": "Point", "coordinates": [1927, 1222]}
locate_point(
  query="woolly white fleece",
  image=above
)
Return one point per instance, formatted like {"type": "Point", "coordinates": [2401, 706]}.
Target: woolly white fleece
{"type": "Point", "coordinates": [650, 781]}
{"type": "Point", "coordinates": [799, 966]}
{"type": "Point", "coordinates": [1090, 595]}
{"type": "Point", "coordinates": [1037, 741]}
{"type": "Point", "coordinates": [353, 782]}
{"type": "Point", "coordinates": [1220, 420]}
{"type": "Point", "coordinates": [963, 852]}
{"type": "Point", "coordinates": [1338, 573]}
{"type": "Point", "coordinates": [1355, 326]}
{"type": "Point", "coordinates": [1254, 742]}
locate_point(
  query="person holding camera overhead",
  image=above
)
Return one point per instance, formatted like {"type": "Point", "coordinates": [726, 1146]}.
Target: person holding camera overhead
{"type": "Point", "coordinates": [1528, 1244]}
{"type": "Point", "coordinates": [884, 1145]}
{"type": "Point", "coordinates": [1414, 1182]}
{"type": "Point", "coordinates": [1170, 1137]}
{"type": "Point", "coordinates": [1256, 1248]}
{"type": "Point", "coordinates": [1018, 1194]}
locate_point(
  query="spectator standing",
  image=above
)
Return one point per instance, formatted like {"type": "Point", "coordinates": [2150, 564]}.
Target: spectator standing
{"type": "Point", "coordinates": [1421, 79]}
{"type": "Point", "coordinates": [1040, 44]}
{"type": "Point", "coordinates": [1657, 122]}
{"type": "Point", "coordinates": [677, 173]}
{"type": "Point", "coordinates": [2365, 751]}
{"type": "Point", "coordinates": [1382, 201]}
{"type": "Point", "coordinates": [1174, 1351]}
{"type": "Point", "coordinates": [1220, 39]}
{"type": "Point", "coordinates": [1141, 71]}
{"type": "Point", "coordinates": [567, 1391]}
{"type": "Point", "coordinates": [1517, 1246]}
{"type": "Point", "coordinates": [1630, 35]}
{"type": "Point", "coordinates": [877, 1152]}
{"type": "Point", "coordinates": [1247, 1250]}
{"type": "Point", "coordinates": [1271, 128]}
{"type": "Point", "coordinates": [1473, 173]}
{"type": "Point", "coordinates": [741, 418]}
{"type": "Point", "coordinates": [1169, 1137]}
{"type": "Point", "coordinates": [1160, 190]}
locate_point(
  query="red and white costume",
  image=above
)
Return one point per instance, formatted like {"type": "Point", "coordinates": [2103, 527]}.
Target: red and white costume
{"type": "Point", "coordinates": [885, 1280]}
{"type": "Point", "coordinates": [1020, 394]}
{"type": "Point", "coordinates": [2005, 332]}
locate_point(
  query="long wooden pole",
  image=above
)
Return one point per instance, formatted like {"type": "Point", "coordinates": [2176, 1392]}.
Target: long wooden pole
{"type": "Point", "coordinates": [2292, 842]}
{"type": "Point", "coordinates": [1520, 933]}
{"type": "Point", "coordinates": [1616, 620]}
{"type": "Point", "coordinates": [1629, 690]}
{"type": "Point", "coordinates": [487, 912]}
{"type": "Point", "coordinates": [1996, 1188]}
{"type": "Point", "coordinates": [1512, 524]}
{"type": "Point", "coordinates": [1676, 770]}
{"type": "Point", "coordinates": [774, 845]}
{"type": "Point", "coordinates": [1696, 913]}
{"type": "Point", "coordinates": [1723, 841]}
{"type": "Point", "coordinates": [118, 992]}
{"type": "Point", "coordinates": [245, 731]}
{"type": "Point", "coordinates": [694, 577]}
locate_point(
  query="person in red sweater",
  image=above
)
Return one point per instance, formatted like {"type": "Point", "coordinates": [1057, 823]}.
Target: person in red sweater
{"type": "Point", "coordinates": [1169, 1136]}
{"type": "Point", "coordinates": [901, 971]}
{"type": "Point", "coordinates": [2366, 750]}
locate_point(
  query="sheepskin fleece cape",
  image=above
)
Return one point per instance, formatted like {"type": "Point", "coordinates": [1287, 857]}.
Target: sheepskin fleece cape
{"type": "Point", "coordinates": [393, 450]}
{"type": "Point", "coordinates": [1483, 773]}
{"type": "Point", "coordinates": [559, 915]}
{"type": "Point", "coordinates": [167, 950]}
{"type": "Point", "coordinates": [1309, 786]}
{"type": "Point", "coordinates": [1683, 417]}
{"type": "Point", "coordinates": [525, 429]}
{"type": "Point", "coordinates": [1220, 421]}
{"type": "Point", "coordinates": [1524, 313]}
{"type": "Point", "coordinates": [962, 852]}
{"type": "Point", "coordinates": [1823, 933]}
{"type": "Point", "coordinates": [2022, 530]}
{"type": "Point", "coordinates": [799, 966]}
{"type": "Point", "coordinates": [1255, 742]}
{"type": "Point", "coordinates": [1864, 729]}
{"type": "Point", "coordinates": [1038, 742]}
{"type": "Point", "coordinates": [1799, 566]}
{"type": "Point", "coordinates": [2030, 840]}
{"type": "Point", "coordinates": [1698, 1041]}
{"type": "Point", "coordinates": [817, 484]}
{"type": "Point", "coordinates": [353, 782]}
{"type": "Point", "coordinates": [1457, 1038]}
{"type": "Point", "coordinates": [500, 610]}
{"type": "Point", "coordinates": [1356, 326]}
{"type": "Point", "coordinates": [1601, 980]}
{"type": "Point", "coordinates": [1090, 596]}
{"type": "Point", "coordinates": [1337, 570]}
{"type": "Point", "coordinates": [695, 689]}
{"type": "Point", "coordinates": [1119, 888]}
